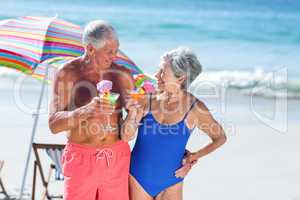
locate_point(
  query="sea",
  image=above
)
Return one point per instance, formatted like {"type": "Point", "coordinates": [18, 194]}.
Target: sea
{"type": "Point", "coordinates": [241, 44]}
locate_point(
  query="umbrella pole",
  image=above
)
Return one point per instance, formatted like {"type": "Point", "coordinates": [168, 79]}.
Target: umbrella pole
{"type": "Point", "coordinates": [36, 119]}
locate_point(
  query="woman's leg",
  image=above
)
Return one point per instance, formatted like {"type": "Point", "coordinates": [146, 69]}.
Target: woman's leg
{"type": "Point", "coordinates": [136, 191]}
{"type": "Point", "coordinates": [171, 193]}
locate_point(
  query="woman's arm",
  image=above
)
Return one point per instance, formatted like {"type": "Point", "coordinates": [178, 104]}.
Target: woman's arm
{"type": "Point", "coordinates": [135, 112]}
{"type": "Point", "coordinates": [201, 118]}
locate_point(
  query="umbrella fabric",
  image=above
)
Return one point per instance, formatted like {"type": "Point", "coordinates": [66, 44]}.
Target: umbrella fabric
{"type": "Point", "coordinates": [30, 44]}
{"type": "Point", "coordinates": [28, 41]}
{"type": "Point", "coordinates": [123, 60]}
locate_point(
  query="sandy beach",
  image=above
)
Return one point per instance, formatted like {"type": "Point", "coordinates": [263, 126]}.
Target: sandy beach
{"type": "Point", "coordinates": [257, 162]}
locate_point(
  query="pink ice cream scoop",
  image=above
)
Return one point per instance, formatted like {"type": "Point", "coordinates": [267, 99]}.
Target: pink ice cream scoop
{"type": "Point", "coordinates": [148, 86]}
{"type": "Point", "coordinates": [104, 86]}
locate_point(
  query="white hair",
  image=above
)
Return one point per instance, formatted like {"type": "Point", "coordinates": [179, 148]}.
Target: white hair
{"type": "Point", "coordinates": [97, 33]}
{"type": "Point", "coordinates": [183, 61]}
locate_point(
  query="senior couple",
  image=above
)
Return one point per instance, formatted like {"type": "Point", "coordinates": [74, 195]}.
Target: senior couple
{"type": "Point", "coordinates": [97, 162]}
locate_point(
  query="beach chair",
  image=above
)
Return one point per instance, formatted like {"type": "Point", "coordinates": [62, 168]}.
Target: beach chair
{"type": "Point", "coordinates": [2, 188]}
{"type": "Point", "coordinates": [54, 151]}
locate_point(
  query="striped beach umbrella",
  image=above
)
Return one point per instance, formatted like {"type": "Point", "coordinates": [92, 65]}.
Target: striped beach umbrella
{"type": "Point", "coordinates": [30, 44]}
{"type": "Point", "coordinates": [28, 41]}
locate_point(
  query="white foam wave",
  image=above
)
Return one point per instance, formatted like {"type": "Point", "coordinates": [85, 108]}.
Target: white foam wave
{"type": "Point", "coordinates": [257, 82]}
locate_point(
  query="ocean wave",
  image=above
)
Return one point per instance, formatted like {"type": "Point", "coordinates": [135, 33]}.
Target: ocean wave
{"type": "Point", "coordinates": [255, 83]}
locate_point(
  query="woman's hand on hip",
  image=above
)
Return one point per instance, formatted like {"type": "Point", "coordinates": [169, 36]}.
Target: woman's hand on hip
{"type": "Point", "coordinates": [189, 160]}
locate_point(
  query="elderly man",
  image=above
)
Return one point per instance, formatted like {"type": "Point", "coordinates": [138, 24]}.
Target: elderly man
{"type": "Point", "coordinates": [95, 160]}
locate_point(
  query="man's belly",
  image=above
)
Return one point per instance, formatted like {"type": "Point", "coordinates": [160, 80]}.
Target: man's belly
{"type": "Point", "coordinates": [96, 132]}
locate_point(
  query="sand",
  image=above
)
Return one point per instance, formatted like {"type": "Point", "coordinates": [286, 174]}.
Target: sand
{"type": "Point", "coordinates": [256, 163]}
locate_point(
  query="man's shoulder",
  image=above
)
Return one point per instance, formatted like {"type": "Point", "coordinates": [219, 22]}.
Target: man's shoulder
{"type": "Point", "coordinates": [124, 76]}
{"type": "Point", "coordinates": [121, 69]}
{"type": "Point", "coordinates": [70, 70]}
{"type": "Point", "coordinates": [72, 66]}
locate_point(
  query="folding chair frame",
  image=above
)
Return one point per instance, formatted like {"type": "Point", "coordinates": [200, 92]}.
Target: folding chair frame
{"type": "Point", "coordinates": [3, 190]}
{"type": "Point", "coordinates": [38, 167]}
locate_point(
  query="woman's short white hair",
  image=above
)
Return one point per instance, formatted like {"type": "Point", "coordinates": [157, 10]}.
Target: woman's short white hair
{"type": "Point", "coordinates": [183, 61]}
{"type": "Point", "coordinates": [97, 33]}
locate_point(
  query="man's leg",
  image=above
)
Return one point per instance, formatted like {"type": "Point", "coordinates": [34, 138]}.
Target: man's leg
{"type": "Point", "coordinates": [117, 188]}
{"type": "Point", "coordinates": [79, 182]}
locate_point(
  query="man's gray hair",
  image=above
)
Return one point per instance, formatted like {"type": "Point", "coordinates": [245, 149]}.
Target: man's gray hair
{"type": "Point", "coordinates": [183, 61]}
{"type": "Point", "coordinates": [97, 33]}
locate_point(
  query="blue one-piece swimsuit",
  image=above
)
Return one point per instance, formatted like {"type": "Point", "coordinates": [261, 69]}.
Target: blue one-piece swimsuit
{"type": "Point", "coordinates": [158, 153]}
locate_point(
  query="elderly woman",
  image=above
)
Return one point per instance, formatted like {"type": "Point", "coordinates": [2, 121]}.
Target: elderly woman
{"type": "Point", "coordinates": [167, 120]}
